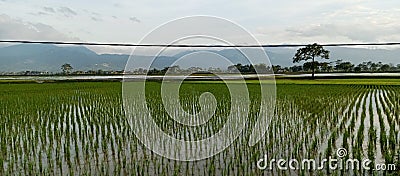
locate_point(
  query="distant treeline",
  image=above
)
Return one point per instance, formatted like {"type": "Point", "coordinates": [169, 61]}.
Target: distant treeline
{"type": "Point", "coordinates": [325, 67]}
{"type": "Point", "coordinates": [336, 66]}
{"type": "Point", "coordinates": [340, 66]}
{"type": "Point", "coordinates": [321, 67]}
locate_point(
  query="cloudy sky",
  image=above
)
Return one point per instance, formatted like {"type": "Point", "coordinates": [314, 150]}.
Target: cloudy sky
{"type": "Point", "coordinates": [272, 22]}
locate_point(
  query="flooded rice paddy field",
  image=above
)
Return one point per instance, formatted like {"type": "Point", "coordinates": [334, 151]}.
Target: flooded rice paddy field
{"type": "Point", "coordinates": [80, 128]}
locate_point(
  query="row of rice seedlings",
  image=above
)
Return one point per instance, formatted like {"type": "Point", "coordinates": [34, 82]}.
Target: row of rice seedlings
{"type": "Point", "coordinates": [85, 132]}
{"type": "Point", "coordinates": [322, 120]}
{"type": "Point", "coordinates": [390, 140]}
{"type": "Point", "coordinates": [371, 131]}
{"type": "Point", "coordinates": [57, 144]}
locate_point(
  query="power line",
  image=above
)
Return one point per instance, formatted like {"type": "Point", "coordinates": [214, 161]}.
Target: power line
{"type": "Point", "coordinates": [191, 45]}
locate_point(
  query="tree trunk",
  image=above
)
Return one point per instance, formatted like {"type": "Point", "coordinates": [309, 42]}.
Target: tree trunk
{"type": "Point", "coordinates": [313, 67]}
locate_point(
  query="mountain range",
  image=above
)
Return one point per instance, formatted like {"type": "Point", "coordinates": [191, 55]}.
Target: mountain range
{"type": "Point", "coordinates": [39, 57]}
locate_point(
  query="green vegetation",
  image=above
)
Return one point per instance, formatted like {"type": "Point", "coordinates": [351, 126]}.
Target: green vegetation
{"type": "Point", "coordinates": [66, 68]}
{"type": "Point", "coordinates": [311, 52]}
{"type": "Point", "coordinates": [364, 81]}
{"type": "Point", "coordinates": [80, 128]}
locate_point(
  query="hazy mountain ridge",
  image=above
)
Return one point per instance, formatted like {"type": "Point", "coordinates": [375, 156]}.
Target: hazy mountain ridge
{"type": "Point", "coordinates": [50, 57]}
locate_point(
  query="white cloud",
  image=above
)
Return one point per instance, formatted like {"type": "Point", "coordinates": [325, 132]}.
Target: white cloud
{"type": "Point", "coordinates": [66, 11]}
{"type": "Point", "coordinates": [63, 11]}
{"type": "Point", "coordinates": [96, 19]}
{"type": "Point", "coordinates": [276, 22]}
{"type": "Point", "coordinates": [351, 24]}
{"type": "Point", "coordinates": [134, 19]}
{"type": "Point", "coordinates": [49, 9]}
{"type": "Point", "coordinates": [15, 29]}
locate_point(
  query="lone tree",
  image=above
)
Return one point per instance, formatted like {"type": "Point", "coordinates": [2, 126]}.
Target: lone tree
{"type": "Point", "coordinates": [311, 52]}
{"type": "Point", "coordinates": [66, 68]}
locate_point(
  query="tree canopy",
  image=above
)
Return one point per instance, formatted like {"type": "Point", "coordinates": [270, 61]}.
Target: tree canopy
{"type": "Point", "coordinates": [311, 52]}
{"type": "Point", "coordinates": [66, 68]}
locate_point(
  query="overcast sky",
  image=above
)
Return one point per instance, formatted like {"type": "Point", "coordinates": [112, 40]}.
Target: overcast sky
{"type": "Point", "coordinates": [272, 22]}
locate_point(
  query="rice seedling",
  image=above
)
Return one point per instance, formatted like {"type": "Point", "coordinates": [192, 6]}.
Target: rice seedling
{"type": "Point", "coordinates": [81, 129]}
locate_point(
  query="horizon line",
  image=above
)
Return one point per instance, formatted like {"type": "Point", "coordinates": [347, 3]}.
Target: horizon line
{"type": "Point", "coordinates": [195, 45]}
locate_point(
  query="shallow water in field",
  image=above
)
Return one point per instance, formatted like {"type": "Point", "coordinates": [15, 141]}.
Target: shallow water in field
{"type": "Point", "coordinates": [80, 128]}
